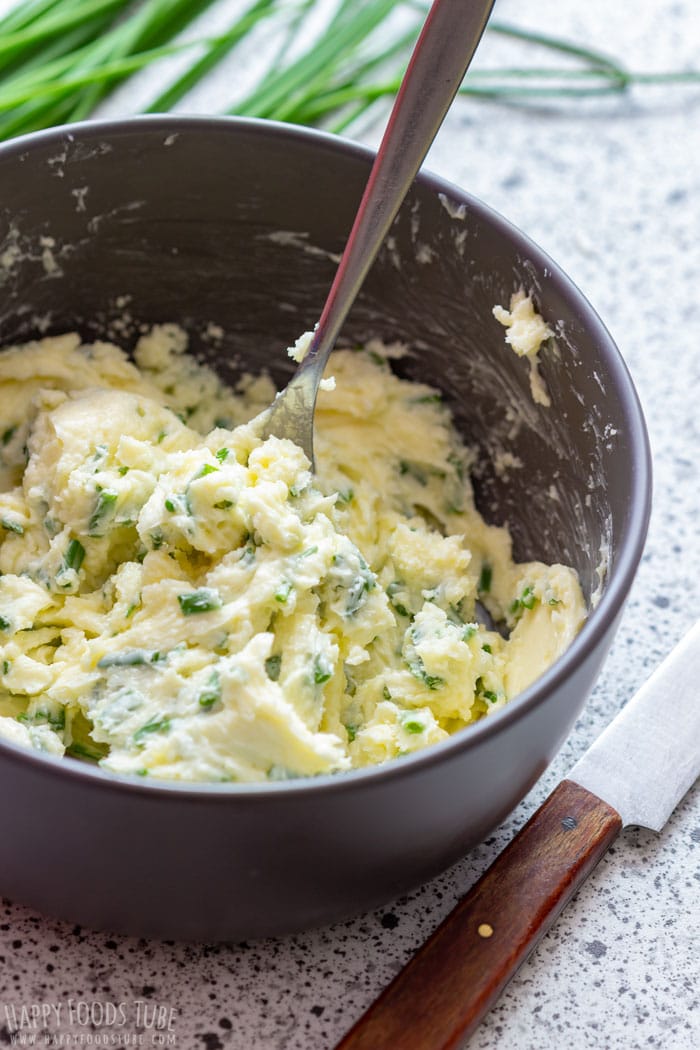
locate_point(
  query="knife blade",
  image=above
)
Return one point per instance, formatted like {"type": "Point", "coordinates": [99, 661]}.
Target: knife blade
{"type": "Point", "coordinates": [636, 772]}
{"type": "Point", "coordinates": [649, 756]}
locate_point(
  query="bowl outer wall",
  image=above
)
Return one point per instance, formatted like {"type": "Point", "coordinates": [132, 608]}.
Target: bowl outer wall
{"type": "Point", "coordinates": [200, 866]}
{"type": "Point", "coordinates": [219, 863]}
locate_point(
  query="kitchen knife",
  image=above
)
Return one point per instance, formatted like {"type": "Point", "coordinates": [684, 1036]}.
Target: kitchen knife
{"type": "Point", "coordinates": [636, 772]}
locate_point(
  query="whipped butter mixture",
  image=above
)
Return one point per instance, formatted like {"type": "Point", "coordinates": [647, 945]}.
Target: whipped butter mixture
{"type": "Point", "coordinates": [180, 599]}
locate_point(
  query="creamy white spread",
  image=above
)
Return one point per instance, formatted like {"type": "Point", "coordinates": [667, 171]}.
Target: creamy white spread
{"type": "Point", "coordinates": [181, 599]}
{"type": "Point", "coordinates": [526, 332]}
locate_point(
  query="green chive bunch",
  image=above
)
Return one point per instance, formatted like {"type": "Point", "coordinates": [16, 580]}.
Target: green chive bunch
{"type": "Point", "coordinates": [329, 63]}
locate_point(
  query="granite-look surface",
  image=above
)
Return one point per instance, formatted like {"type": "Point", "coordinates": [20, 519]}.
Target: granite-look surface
{"type": "Point", "coordinates": [611, 189]}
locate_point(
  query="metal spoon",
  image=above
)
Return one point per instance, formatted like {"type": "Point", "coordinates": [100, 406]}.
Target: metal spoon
{"type": "Point", "coordinates": [440, 59]}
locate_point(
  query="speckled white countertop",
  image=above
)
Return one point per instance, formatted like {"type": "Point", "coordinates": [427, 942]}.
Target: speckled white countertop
{"type": "Point", "coordinates": [612, 190]}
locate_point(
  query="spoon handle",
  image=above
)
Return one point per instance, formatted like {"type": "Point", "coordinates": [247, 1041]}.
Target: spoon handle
{"type": "Point", "coordinates": [439, 61]}
{"type": "Point", "coordinates": [438, 999]}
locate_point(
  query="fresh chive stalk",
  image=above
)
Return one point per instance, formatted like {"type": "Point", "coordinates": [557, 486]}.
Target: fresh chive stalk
{"type": "Point", "coordinates": [60, 58]}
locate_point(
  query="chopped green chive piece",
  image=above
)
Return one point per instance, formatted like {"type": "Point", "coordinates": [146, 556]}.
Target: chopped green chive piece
{"type": "Point", "coordinates": [123, 471]}
{"type": "Point", "coordinates": [414, 471]}
{"type": "Point", "coordinates": [103, 506]}
{"type": "Point", "coordinates": [352, 733]}
{"type": "Point", "coordinates": [51, 715]}
{"type": "Point", "coordinates": [359, 589]}
{"type": "Point", "coordinates": [223, 504]}
{"type": "Point", "coordinates": [206, 469]}
{"type": "Point", "coordinates": [469, 631]}
{"type": "Point", "coordinates": [487, 694]}
{"type": "Point", "coordinates": [77, 750]}
{"type": "Point", "coordinates": [202, 601]}
{"type": "Point", "coordinates": [74, 556]}
{"type": "Point", "coordinates": [283, 591]}
{"type": "Point", "coordinates": [211, 692]}
{"type": "Point", "coordinates": [413, 726]}
{"type": "Point", "coordinates": [130, 658]}
{"type": "Point", "coordinates": [156, 725]}
{"type": "Point", "coordinates": [433, 681]}
{"type": "Point", "coordinates": [6, 667]}
{"type": "Point", "coordinates": [170, 505]}
{"type": "Point", "coordinates": [487, 648]}
{"type": "Point", "coordinates": [323, 669]}
{"type": "Point", "coordinates": [13, 526]}
{"type": "Point", "coordinates": [223, 454]}
{"type": "Point", "coordinates": [157, 539]}
{"type": "Point", "coordinates": [386, 694]}
{"type": "Point", "coordinates": [346, 496]}
{"type": "Point", "coordinates": [456, 461]}
{"type": "Point", "coordinates": [526, 600]}
{"type": "Point", "coordinates": [485, 579]}
{"type": "Point", "coordinates": [273, 665]}
{"type": "Point", "coordinates": [161, 437]}
{"type": "Point", "coordinates": [7, 435]}
{"type": "Point", "coordinates": [393, 589]}
{"type": "Point", "coordinates": [5, 624]}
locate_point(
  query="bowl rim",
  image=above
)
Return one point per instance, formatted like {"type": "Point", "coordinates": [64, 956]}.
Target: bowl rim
{"type": "Point", "coordinates": [599, 620]}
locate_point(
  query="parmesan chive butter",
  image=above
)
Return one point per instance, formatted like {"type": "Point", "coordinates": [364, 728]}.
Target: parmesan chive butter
{"type": "Point", "coordinates": [180, 599]}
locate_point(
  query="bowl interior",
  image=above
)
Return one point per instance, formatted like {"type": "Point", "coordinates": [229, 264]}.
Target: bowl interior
{"type": "Point", "coordinates": [232, 228]}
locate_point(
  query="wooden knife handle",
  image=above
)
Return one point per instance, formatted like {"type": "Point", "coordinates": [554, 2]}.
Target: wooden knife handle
{"type": "Point", "coordinates": [440, 996]}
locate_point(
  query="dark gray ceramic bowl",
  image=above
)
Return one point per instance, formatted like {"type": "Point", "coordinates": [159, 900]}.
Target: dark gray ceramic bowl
{"type": "Point", "coordinates": [236, 223]}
